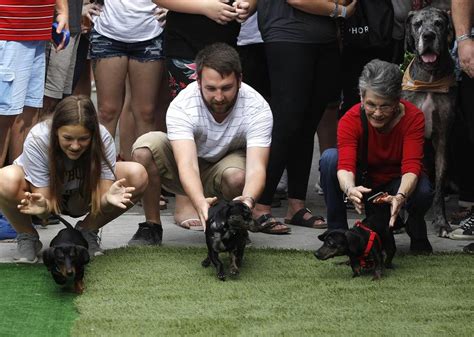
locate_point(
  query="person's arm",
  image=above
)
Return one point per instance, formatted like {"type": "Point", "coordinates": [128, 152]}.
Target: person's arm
{"type": "Point", "coordinates": [62, 18]}
{"type": "Point", "coordinates": [216, 10]}
{"type": "Point", "coordinates": [324, 7]}
{"type": "Point", "coordinates": [354, 193]}
{"type": "Point", "coordinates": [255, 174]}
{"type": "Point", "coordinates": [36, 202]}
{"type": "Point", "coordinates": [462, 12]}
{"type": "Point", "coordinates": [185, 154]}
{"type": "Point", "coordinates": [114, 194]}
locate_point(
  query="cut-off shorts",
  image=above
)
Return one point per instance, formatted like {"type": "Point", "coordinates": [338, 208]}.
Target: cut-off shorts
{"type": "Point", "coordinates": [143, 51]}
{"type": "Point", "coordinates": [22, 72]}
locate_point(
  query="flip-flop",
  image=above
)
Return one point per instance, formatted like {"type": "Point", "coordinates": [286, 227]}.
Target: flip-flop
{"type": "Point", "coordinates": [186, 224]}
{"type": "Point", "coordinates": [299, 220]}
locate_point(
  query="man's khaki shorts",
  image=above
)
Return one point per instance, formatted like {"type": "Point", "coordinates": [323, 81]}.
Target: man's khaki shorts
{"type": "Point", "coordinates": [211, 173]}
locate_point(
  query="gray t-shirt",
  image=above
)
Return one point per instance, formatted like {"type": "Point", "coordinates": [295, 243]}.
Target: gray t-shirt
{"type": "Point", "coordinates": [35, 161]}
{"type": "Point", "coordinates": [280, 22]}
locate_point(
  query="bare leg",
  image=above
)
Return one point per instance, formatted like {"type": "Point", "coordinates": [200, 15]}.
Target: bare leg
{"type": "Point", "coordinates": [127, 127]}
{"type": "Point", "coordinates": [145, 80]}
{"type": "Point", "coordinates": [110, 74]}
{"type": "Point", "coordinates": [22, 125]}
{"type": "Point", "coordinates": [137, 177]}
{"type": "Point", "coordinates": [6, 123]}
{"type": "Point", "coordinates": [12, 189]}
{"type": "Point", "coordinates": [327, 128]}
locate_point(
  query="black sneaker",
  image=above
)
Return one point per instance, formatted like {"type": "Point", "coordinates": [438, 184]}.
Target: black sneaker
{"type": "Point", "coordinates": [148, 233]}
{"type": "Point", "coordinates": [420, 247]}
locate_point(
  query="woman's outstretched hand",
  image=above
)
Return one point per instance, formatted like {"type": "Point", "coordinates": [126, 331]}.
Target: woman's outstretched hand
{"type": "Point", "coordinates": [33, 204]}
{"type": "Point", "coordinates": [120, 195]}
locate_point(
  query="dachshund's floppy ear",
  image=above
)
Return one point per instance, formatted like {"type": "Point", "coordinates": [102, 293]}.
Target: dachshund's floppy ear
{"type": "Point", "coordinates": [82, 255]}
{"type": "Point", "coordinates": [409, 40]}
{"type": "Point", "coordinates": [48, 258]}
{"type": "Point", "coordinates": [355, 242]}
{"type": "Point", "coordinates": [323, 236]}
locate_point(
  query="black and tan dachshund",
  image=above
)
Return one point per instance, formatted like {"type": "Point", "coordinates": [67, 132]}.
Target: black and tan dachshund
{"type": "Point", "coordinates": [67, 256]}
{"type": "Point", "coordinates": [365, 244]}
{"type": "Point", "coordinates": [226, 231]}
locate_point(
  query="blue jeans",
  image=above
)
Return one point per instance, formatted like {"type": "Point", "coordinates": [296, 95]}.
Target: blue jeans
{"type": "Point", "coordinates": [417, 204]}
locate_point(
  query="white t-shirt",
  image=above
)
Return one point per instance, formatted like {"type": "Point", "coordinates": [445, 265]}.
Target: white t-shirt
{"type": "Point", "coordinates": [128, 20]}
{"type": "Point", "coordinates": [249, 33]}
{"type": "Point", "coordinates": [35, 160]}
{"type": "Point", "coordinates": [248, 125]}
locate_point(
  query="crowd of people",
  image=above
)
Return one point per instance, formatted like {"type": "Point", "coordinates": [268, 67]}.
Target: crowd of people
{"type": "Point", "coordinates": [213, 100]}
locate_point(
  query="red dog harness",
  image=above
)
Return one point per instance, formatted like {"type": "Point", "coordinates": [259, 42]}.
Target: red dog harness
{"type": "Point", "coordinates": [363, 259]}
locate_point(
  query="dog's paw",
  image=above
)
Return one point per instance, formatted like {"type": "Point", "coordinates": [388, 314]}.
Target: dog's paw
{"type": "Point", "coordinates": [206, 262]}
{"type": "Point", "coordinates": [389, 265]}
{"type": "Point", "coordinates": [221, 276]}
{"type": "Point", "coordinates": [234, 271]}
{"type": "Point", "coordinates": [443, 232]}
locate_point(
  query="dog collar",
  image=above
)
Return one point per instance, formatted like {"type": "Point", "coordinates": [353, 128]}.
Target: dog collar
{"type": "Point", "coordinates": [439, 86]}
{"type": "Point", "coordinates": [373, 236]}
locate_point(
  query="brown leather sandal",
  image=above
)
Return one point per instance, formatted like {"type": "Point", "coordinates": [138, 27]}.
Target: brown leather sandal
{"type": "Point", "coordinates": [316, 221]}
{"type": "Point", "coordinates": [267, 224]}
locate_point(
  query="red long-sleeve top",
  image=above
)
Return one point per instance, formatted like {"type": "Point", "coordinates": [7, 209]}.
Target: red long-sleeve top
{"type": "Point", "coordinates": [390, 155]}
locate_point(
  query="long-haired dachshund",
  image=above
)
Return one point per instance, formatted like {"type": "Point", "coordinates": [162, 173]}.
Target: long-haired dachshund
{"type": "Point", "coordinates": [67, 256]}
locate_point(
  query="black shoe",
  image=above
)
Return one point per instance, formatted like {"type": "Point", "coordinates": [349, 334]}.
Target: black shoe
{"type": "Point", "coordinates": [148, 233]}
{"type": "Point", "coordinates": [420, 247]}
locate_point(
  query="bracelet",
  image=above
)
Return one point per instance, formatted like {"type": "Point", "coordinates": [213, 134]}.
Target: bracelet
{"type": "Point", "coordinates": [463, 37]}
{"type": "Point", "coordinates": [343, 12]}
{"type": "Point", "coordinates": [335, 11]}
{"type": "Point", "coordinates": [402, 194]}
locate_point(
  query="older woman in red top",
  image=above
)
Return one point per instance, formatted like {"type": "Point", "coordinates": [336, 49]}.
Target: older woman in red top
{"type": "Point", "coordinates": [394, 153]}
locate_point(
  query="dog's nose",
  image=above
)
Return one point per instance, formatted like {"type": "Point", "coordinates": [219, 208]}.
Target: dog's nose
{"type": "Point", "coordinates": [428, 36]}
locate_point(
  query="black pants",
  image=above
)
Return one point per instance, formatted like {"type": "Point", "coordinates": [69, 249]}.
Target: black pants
{"type": "Point", "coordinates": [304, 79]}
{"type": "Point", "coordinates": [254, 68]}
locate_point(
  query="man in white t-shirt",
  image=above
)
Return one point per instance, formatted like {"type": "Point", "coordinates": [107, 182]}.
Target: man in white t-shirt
{"type": "Point", "coordinates": [217, 145]}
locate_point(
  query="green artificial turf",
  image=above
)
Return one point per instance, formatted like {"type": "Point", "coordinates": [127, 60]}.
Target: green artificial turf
{"type": "Point", "coordinates": [165, 292]}
{"type": "Point", "coordinates": [31, 304]}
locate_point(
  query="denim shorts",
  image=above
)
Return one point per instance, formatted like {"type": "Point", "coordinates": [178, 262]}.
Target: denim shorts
{"type": "Point", "coordinates": [22, 73]}
{"type": "Point", "coordinates": [143, 51]}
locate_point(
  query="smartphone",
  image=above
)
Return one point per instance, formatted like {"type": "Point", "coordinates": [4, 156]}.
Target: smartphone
{"type": "Point", "coordinates": [58, 38]}
{"type": "Point", "coordinates": [373, 197]}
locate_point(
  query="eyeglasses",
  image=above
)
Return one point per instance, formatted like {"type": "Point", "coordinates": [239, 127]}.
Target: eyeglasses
{"type": "Point", "coordinates": [386, 108]}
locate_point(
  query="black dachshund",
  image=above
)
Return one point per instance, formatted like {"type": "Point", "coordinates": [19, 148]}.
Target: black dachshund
{"type": "Point", "coordinates": [364, 243]}
{"type": "Point", "coordinates": [226, 231]}
{"type": "Point", "coordinates": [67, 256]}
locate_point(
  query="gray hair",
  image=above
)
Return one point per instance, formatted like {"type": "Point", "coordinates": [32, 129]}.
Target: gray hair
{"type": "Point", "coordinates": [383, 78]}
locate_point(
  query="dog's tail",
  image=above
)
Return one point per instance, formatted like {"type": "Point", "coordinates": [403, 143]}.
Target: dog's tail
{"type": "Point", "coordinates": [64, 221]}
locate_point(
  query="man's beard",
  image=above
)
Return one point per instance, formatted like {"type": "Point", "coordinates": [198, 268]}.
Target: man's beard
{"type": "Point", "coordinates": [220, 109]}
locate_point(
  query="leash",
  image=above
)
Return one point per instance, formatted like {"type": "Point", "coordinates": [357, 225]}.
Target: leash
{"type": "Point", "coordinates": [373, 236]}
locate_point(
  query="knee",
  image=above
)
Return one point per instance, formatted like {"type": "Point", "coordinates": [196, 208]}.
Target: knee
{"type": "Point", "coordinates": [108, 113]}
{"type": "Point", "coordinates": [147, 114]}
{"type": "Point", "coordinates": [143, 156]}
{"type": "Point", "coordinates": [423, 196]}
{"type": "Point", "coordinates": [137, 177]}
{"type": "Point", "coordinates": [328, 161]}
{"type": "Point", "coordinates": [10, 183]}
{"type": "Point", "coordinates": [233, 182]}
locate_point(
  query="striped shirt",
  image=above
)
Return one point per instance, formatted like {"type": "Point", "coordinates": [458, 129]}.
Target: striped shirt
{"type": "Point", "coordinates": [26, 20]}
{"type": "Point", "coordinates": [248, 125]}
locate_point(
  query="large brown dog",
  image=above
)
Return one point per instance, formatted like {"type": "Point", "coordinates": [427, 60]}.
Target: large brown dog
{"type": "Point", "coordinates": [429, 83]}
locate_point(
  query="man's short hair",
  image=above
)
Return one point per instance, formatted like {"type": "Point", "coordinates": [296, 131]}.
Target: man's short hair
{"type": "Point", "coordinates": [221, 57]}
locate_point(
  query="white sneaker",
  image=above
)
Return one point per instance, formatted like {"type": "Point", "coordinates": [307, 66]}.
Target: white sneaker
{"type": "Point", "coordinates": [28, 248]}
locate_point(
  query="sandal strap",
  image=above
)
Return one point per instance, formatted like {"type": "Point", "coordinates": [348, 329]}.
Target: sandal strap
{"type": "Point", "coordinates": [264, 223]}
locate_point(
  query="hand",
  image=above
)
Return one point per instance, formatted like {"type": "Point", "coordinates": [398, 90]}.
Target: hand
{"type": "Point", "coordinates": [351, 8]}
{"type": "Point", "coordinates": [119, 195]}
{"type": "Point", "coordinates": [249, 201]}
{"type": "Point", "coordinates": [160, 14]}
{"type": "Point", "coordinates": [91, 10]}
{"type": "Point", "coordinates": [219, 11]}
{"type": "Point", "coordinates": [63, 23]}
{"type": "Point", "coordinates": [242, 9]}
{"type": "Point", "coordinates": [466, 56]}
{"type": "Point", "coordinates": [396, 202]}
{"type": "Point", "coordinates": [33, 204]}
{"type": "Point", "coordinates": [203, 210]}
{"type": "Point", "coordinates": [356, 195]}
